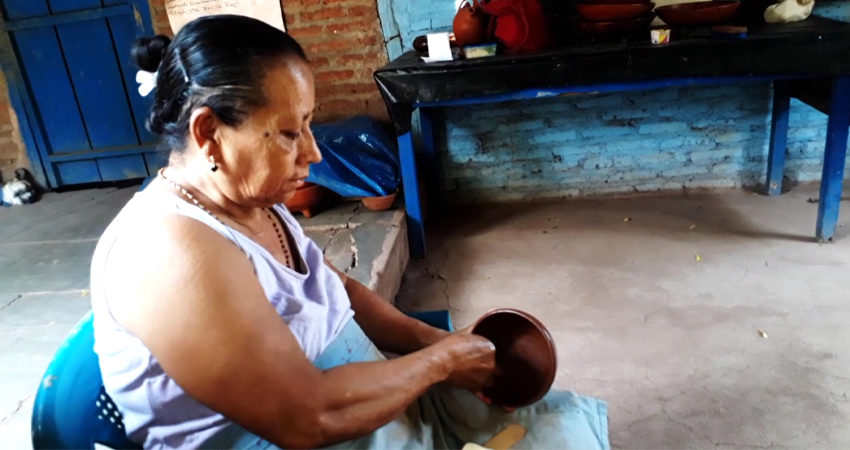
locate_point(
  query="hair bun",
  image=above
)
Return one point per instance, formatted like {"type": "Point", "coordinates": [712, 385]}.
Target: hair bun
{"type": "Point", "coordinates": [148, 52]}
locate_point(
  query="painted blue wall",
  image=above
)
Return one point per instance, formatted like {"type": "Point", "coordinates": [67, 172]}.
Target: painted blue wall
{"type": "Point", "coordinates": [703, 137]}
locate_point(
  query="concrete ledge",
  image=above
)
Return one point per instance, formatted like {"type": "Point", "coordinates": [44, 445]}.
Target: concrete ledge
{"type": "Point", "coordinates": [370, 247]}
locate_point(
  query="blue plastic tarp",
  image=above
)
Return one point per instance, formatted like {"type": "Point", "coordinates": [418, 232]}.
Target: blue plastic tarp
{"type": "Point", "coordinates": [359, 158]}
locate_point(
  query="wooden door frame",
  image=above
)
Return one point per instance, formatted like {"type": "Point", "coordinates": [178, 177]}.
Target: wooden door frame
{"type": "Point", "coordinates": [32, 133]}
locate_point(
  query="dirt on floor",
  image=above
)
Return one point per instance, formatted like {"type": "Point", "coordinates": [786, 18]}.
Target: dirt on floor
{"type": "Point", "coordinates": [705, 321]}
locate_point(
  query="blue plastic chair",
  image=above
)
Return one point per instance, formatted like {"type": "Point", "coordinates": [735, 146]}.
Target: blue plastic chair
{"type": "Point", "coordinates": [73, 411]}
{"type": "Point", "coordinates": [437, 319]}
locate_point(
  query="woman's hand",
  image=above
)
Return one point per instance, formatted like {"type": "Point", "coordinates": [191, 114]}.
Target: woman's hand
{"type": "Point", "coordinates": [488, 381]}
{"type": "Point", "coordinates": [473, 360]}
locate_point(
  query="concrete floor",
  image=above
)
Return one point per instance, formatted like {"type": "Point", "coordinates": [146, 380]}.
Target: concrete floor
{"type": "Point", "coordinates": [45, 254]}
{"type": "Point", "coordinates": [656, 305]}
{"type": "Point", "coordinates": [672, 343]}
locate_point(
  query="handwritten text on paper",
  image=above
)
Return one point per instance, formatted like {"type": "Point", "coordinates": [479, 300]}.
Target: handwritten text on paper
{"type": "Point", "coordinates": [181, 12]}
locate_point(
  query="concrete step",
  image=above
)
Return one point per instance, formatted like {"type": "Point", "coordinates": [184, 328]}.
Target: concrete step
{"type": "Point", "coordinates": [369, 246]}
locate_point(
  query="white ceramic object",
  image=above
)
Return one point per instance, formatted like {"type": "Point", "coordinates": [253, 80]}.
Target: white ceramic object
{"type": "Point", "coordinates": [474, 447]}
{"type": "Point", "coordinates": [787, 11]}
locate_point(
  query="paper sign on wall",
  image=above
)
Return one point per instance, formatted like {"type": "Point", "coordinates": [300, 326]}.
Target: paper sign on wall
{"type": "Point", "coordinates": [181, 12]}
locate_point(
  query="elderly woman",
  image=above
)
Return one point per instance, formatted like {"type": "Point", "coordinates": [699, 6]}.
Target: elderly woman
{"type": "Point", "coordinates": [219, 324]}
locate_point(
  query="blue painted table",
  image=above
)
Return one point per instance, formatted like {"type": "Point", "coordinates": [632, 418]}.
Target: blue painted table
{"type": "Point", "coordinates": [814, 48]}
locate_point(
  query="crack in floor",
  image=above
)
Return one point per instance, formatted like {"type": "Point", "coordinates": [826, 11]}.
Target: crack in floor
{"type": "Point", "coordinates": [11, 302]}
{"type": "Point", "coordinates": [354, 255]}
{"type": "Point", "coordinates": [687, 427]}
{"type": "Point", "coordinates": [436, 275]}
{"type": "Point", "coordinates": [17, 409]}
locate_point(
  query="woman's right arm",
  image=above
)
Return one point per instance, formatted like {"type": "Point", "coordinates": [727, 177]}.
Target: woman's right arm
{"type": "Point", "coordinates": [192, 298]}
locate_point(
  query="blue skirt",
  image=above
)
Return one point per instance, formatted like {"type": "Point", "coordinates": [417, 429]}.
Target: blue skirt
{"type": "Point", "coordinates": [446, 418]}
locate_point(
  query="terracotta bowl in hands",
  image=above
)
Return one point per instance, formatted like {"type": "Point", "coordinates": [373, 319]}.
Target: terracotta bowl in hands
{"type": "Point", "coordinates": [526, 359]}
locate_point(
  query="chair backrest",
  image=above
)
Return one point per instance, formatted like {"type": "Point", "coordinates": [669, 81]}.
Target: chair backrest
{"type": "Point", "coordinates": [438, 319]}
{"type": "Point", "coordinates": [72, 410]}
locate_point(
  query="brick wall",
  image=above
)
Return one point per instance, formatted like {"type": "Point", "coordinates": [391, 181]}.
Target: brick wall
{"type": "Point", "coordinates": [160, 18]}
{"type": "Point", "coordinates": [671, 139]}
{"type": "Point", "coordinates": [13, 153]}
{"type": "Point", "coordinates": [343, 40]}
{"type": "Point", "coordinates": [666, 139]}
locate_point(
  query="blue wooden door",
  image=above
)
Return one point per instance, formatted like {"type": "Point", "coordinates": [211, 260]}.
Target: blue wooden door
{"type": "Point", "coordinates": [86, 111]}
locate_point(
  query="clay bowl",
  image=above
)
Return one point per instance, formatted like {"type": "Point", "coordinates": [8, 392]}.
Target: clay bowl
{"type": "Point", "coordinates": [698, 14]}
{"type": "Point", "coordinates": [620, 27]}
{"type": "Point", "coordinates": [307, 198]}
{"type": "Point", "coordinates": [380, 203]}
{"type": "Point", "coordinates": [526, 359]}
{"type": "Point", "coordinates": [611, 13]}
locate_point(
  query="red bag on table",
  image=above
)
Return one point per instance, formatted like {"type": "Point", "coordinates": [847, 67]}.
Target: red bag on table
{"type": "Point", "coordinates": [519, 26]}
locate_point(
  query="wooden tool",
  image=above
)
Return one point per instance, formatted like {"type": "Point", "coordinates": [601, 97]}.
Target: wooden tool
{"type": "Point", "coordinates": [504, 440]}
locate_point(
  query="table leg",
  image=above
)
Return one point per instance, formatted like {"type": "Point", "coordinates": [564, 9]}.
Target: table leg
{"type": "Point", "coordinates": [431, 183]}
{"type": "Point", "coordinates": [834, 159]}
{"type": "Point", "coordinates": [410, 179]}
{"type": "Point", "coordinates": [778, 137]}
{"type": "Point", "coordinates": [427, 130]}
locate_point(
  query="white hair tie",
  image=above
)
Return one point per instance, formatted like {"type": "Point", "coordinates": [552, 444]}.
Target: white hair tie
{"type": "Point", "coordinates": [147, 82]}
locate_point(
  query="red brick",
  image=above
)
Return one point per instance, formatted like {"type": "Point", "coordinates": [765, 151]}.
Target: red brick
{"type": "Point", "coordinates": [5, 114]}
{"type": "Point", "coordinates": [337, 45]}
{"type": "Point", "coordinates": [308, 31]}
{"type": "Point", "coordinates": [365, 26]}
{"type": "Point", "coordinates": [334, 76]}
{"type": "Point", "coordinates": [348, 89]}
{"type": "Point", "coordinates": [368, 12]}
{"type": "Point", "coordinates": [369, 58]}
{"type": "Point", "coordinates": [9, 148]}
{"type": "Point", "coordinates": [319, 62]}
{"type": "Point", "coordinates": [335, 12]}
{"type": "Point", "coordinates": [344, 107]}
{"type": "Point", "coordinates": [291, 7]}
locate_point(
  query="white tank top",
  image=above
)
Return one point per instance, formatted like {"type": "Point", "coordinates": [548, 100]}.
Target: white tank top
{"type": "Point", "coordinates": [157, 412]}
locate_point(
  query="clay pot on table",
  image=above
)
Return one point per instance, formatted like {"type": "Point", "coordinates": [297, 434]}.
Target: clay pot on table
{"type": "Point", "coordinates": [307, 199]}
{"type": "Point", "coordinates": [526, 359]}
{"type": "Point", "coordinates": [470, 24]}
{"type": "Point", "coordinates": [612, 2]}
{"type": "Point", "coordinates": [697, 14]}
{"type": "Point", "coordinates": [617, 28]}
{"type": "Point", "coordinates": [380, 203]}
{"type": "Point", "coordinates": [612, 13]}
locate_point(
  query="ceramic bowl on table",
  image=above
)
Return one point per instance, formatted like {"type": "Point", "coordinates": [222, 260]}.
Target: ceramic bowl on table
{"type": "Point", "coordinates": [526, 359]}
{"type": "Point", "coordinates": [612, 2]}
{"type": "Point", "coordinates": [616, 28]}
{"type": "Point", "coordinates": [699, 13]}
{"type": "Point", "coordinates": [612, 13]}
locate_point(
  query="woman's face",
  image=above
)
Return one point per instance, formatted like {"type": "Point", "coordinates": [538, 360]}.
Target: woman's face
{"type": "Point", "coordinates": [266, 158]}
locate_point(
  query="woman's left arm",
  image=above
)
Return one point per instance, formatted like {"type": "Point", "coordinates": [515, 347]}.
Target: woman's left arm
{"type": "Point", "coordinates": [390, 329]}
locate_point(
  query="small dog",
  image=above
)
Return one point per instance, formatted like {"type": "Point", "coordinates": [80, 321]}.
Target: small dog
{"type": "Point", "coordinates": [20, 191]}
{"type": "Point", "coordinates": [786, 11]}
